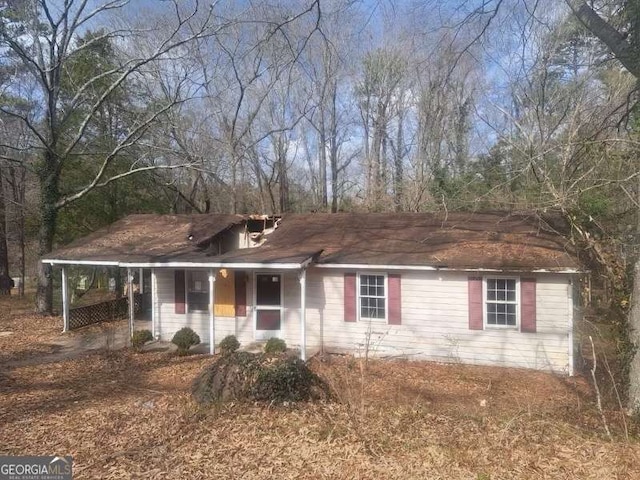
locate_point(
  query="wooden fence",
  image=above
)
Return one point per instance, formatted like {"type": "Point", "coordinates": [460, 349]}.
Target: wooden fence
{"type": "Point", "coordinates": [105, 311]}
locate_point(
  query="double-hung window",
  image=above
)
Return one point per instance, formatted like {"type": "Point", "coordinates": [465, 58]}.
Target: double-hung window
{"type": "Point", "coordinates": [372, 296]}
{"type": "Point", "coordinates": [198, 291]}
{"type": "Point", "coordinates": [501, 302]}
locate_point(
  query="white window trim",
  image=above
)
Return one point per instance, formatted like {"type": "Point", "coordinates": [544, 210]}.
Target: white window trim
{"type": "Point", "coordinates": [187, 274]}
{"type": "Point", "coordinates": [386, 298]}
{"type": "Point", "coordinates": [518, 302]}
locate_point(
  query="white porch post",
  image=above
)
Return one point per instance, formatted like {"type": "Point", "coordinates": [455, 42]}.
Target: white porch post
{"type": "Point", "coordinates": [141, 281]}
{"type": "Point", "coordinates": [303, 314]}
{"type": "Point", "coordinates": [154, 297]}
{"type": "Point", "coordinates": [65, 300]}
{"type": "Point", "coordinates": [212, 312]}
{"type": "Point", "coordinates": [570, 289]}
{"type": "Point", "coordinates": [131, 300]}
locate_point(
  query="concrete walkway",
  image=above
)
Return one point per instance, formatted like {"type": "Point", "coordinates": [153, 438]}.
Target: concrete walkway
{"type": "Point", "coordinates": [106, 336]}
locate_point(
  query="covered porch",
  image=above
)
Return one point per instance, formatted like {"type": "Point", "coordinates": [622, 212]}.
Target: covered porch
{"type": "Point", "coordinates": [216, 274]}
{"type": "Point", "coordinates": [253, 301]}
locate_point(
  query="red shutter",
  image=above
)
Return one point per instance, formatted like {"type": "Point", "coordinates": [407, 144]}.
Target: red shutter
{"type": "Point", "coordinates": [350, 297]}
{"type": "Point", "coordinates": [179, 297]}
{"type": "Point", "coordinates": [241, 294]}
{"type": "Point", "coordinates": [475, 303]}
{"type": "Point", "coordinates": [528, 305]}
{"type": "Point", "coordinates": [395, 318]}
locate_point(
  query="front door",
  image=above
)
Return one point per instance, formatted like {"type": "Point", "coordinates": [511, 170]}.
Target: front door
{"type": "Point", "coordinates": [268, 305]}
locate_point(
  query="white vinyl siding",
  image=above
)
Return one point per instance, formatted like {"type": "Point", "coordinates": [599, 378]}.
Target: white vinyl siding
{"type": "Point", "coordinates": [435, 321]}
{"type": "Point", "coordinates": [169, 322]}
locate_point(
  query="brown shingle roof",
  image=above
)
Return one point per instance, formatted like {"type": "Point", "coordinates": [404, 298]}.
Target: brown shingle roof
{"type": "Point", "coordinates": [457, 240]}
{"type": "Point", "coordinates": [146, 238]}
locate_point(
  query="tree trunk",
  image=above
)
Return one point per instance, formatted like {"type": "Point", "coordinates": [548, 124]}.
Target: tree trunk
{"type": "Point", "coordinates": [5, 280]}
{"type": "Point", "coordinates": [333, 148]}
{"type": "Point", "coordinates": [19, 186]}
{"type": "Point", "coordinates": [398, 177]}
{"type": "Point", "coordinates": [49, 196]}
{"type": "Point", "coordinates": [281, 158]}
{"type": "Point", "coordinates": [617, 41]}
{"type": "Point", "coordinates": [334, 169]}
{"type": "Point", "coordinates": [634, 337]}
{"type": "Point", "coordinates": [322, 162]}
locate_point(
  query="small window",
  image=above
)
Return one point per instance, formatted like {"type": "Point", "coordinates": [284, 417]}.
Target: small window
{"type": "Point", "coordinates": [372, 298]}
{"type": "Point", "coordinates": [198, 291]}
{"type": "Point", "coordinates": [501, 302]}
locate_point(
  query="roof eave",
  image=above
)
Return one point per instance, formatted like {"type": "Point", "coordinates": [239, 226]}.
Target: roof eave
{"type": "Point", "coordinates": [434, 268]}
{"type": "Point", "coordinates": [231, 265]}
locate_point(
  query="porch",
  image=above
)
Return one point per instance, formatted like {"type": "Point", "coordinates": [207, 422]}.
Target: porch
{"type": "Point", "coordinates": [252, 304]}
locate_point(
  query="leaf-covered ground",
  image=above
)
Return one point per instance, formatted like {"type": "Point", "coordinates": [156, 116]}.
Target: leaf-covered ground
{"type": "Point", "coordinates": [125, 415]}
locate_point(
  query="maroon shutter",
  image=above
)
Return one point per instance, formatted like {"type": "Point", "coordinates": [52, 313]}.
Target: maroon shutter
{"type": "Point", "coordinates": [475, 303]}
{"type": "Point", "coordinates": [179, 297]}
{"type": "Point", "coordinates": [241, 294]}
{"type": "Point", "coordinates": [528, 305]}
{"type": "Point", "coordinates": [350, 297]}
{"type": "Point", "coordinates": [393, 280]}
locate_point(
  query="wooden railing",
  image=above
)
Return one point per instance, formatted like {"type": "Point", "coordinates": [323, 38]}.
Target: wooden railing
{"type": "Point", "coordinates": [106, 311]}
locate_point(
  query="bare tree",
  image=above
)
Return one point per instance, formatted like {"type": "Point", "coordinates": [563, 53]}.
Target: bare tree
{"type": "Point", "coordinates": [624, 45]}
{"type": "Point", "coordinates": [328, 69]}
{"type": "Point", "coordinates": [379, 92]}
{"type": "Point", "coordinates": [42, 36]}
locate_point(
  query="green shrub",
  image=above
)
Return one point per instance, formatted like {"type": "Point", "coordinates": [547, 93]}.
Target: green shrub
{"type": "Point", "coordinates": [139, 338]}
{"type": "Point", "coordinates": [287, 380]}
{"type": "Point", "coordinates": [229, 344]}
{"type": "Point", "coordinates": [245, 376]}
{"type": "Point", "coordinates": [275, 345]}
{"type": "Point", "coordinates": [184, 339]}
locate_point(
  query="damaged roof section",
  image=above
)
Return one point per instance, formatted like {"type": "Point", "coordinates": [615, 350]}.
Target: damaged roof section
{"type": "Point", "coordinates": [488, 241]}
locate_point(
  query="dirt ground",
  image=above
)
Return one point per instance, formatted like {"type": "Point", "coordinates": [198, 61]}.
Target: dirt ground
{"type": "Point", "coordinates": [125, 415]}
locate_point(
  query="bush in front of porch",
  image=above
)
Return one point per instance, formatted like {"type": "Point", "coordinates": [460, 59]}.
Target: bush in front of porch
{"type": "Point", "coordinates": [184, 339]}
{"type": "Point", "coordinates": [260, 377]}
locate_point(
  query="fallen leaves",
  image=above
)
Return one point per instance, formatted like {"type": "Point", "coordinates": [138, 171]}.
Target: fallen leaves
{"type": "Point", "coordinates": [125, 415]}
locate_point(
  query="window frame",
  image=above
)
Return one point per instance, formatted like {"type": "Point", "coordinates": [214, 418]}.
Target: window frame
{"type": "Point", "coordinates": [486, 301]}
{"type": "Point", "coordinates": [359, 297]}
{"type": "Point", "coordinates": [188, 291]}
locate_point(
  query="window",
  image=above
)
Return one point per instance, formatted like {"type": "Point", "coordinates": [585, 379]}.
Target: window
{"type": "Point", "coordinates": [501, 302]}
{"type": "Point", "coordinates": [372, 298]}
{"type": "Point", "coordinates": [198, 291]}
